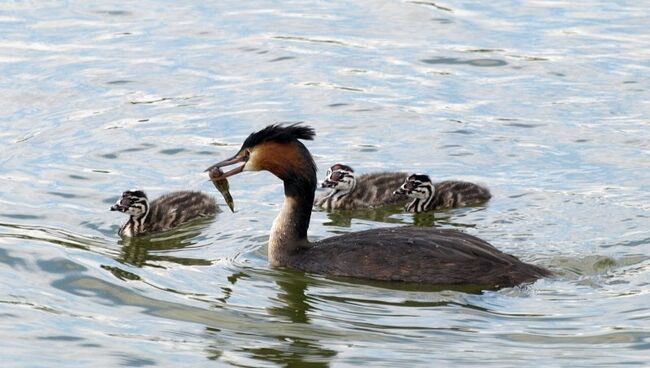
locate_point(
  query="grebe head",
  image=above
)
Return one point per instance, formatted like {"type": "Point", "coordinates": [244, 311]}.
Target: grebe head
{"type": "Point", "coordinates": [339, 177]}
{"type": "Point", "coordinates": [277, 149]}
{"type": "Point", "coordinates": [132, 202]}
{"type": "Point", "coordinates": [417, 186]}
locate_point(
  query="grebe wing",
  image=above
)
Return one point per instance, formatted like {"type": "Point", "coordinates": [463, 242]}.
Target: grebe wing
{"type": "Point", "coordinates": [415, 254]}
{"type": "Point", "coordinates": [449, 245]}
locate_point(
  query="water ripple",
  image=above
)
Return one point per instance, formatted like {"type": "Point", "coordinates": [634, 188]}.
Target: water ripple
{"type": "Point", "coordinates": [544, 103]}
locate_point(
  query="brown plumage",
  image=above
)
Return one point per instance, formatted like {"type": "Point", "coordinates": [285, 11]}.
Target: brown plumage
{"type": "Point", "coordinates": [427, 196]}
{"type": "Point", "coordinates": [164, 213]}
{"type": "Point", "coordinates": [347, 191]}
{"type": "Point", "coordinates": [407, 254]}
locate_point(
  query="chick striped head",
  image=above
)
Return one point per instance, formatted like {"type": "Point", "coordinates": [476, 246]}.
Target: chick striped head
{"type": "Point", "coordinates": [132, 202]}
{"type": "Point", "coordinates": [339, 177]}
{"type": "Point", "coordinates": [417, 186]}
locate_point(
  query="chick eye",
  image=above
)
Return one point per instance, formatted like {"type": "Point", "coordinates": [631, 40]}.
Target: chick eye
{"type": "Point", "coordinates": [337, 176]}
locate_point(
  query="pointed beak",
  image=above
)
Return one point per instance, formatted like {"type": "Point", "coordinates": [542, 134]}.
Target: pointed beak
{"type": "Point", "coordinates": [216, 174]}
{"type": "Point", "coordinates": [400, 191]}
{"type": "Point", "coordinates": [118, 207]}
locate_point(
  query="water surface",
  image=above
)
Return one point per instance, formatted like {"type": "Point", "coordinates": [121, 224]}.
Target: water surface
{"type": "Point", "coordinates": [545, 102]}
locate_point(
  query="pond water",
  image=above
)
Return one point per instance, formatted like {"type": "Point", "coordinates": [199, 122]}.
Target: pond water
{"type": "Point", "coordinates": [546, 102]}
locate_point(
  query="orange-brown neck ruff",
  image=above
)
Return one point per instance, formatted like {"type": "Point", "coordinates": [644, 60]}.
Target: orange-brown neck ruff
{"type": "Point", "coordinates": [292, 163]}
{"type": "Point", "coordinates": [282, 159]}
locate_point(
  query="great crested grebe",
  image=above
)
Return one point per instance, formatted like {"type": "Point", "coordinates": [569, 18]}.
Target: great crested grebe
{"type": "Point", "coordinates": [347, 191]}
{"type": "Point", "coordinates": [163, 213]}
{"type": "Point", "coordinates": [408, 254]}
{"type": "Point", "coordinates": [428, 196]}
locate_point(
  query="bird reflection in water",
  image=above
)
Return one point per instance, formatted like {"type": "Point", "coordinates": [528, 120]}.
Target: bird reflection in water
{"type": "Point", "coordinates": [291, 306]}
{"type": "Point", "coordinates": [294, 306]}
{"type": "Point", "coordinates": [385, 214]}
{"type": "Point", "coordinates": [391, 215]}
{"type": "Point", "coordinates": [148, 251]}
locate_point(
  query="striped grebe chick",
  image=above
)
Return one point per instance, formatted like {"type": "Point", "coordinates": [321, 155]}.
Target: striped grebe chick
{"type": "Point", "coordinates": [163, 213]}
{"type": "Point", "coordinates": [347, 191]}
{"type": "Point", "coordinates": [408, 254]}
{"type": "Point", "coordinates": [428, 196]}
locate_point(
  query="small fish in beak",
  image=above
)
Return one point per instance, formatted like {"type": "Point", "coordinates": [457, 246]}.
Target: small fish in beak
{"type": "Point", "coordinates": [222, 186]}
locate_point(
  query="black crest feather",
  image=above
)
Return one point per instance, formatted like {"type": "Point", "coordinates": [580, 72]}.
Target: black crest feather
{"type": "Point", "coordinates": [280, 133]}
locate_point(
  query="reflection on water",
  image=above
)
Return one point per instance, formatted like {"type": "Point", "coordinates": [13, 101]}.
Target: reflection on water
{"type": "Point", "coordinates": [294, 307]}
{"type": "Point", "coordinates": [424, 219]}
{"type": "Point", "coordinates": [546, 103]}
{"type": "Point", "coordinates": [344, 218]}
{"type": "Point", "coordinates": [51, 235]}
{"type": "Point", "coordinates": [472, 62]}
{"type": "Point", "coordinates": [145, 250]}
{"type": "Point", "coordinates": [395, 215]}
{"type": "Point", "coordinates": [291, 347]}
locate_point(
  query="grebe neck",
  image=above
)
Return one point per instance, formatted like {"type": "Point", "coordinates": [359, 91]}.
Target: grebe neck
{"type": "Point", "coordinates": [421, 204]}
{"type": "Point", "coordinates": [343, 193]}
{"type": "Point", "coordinates": [136, 224]}
{"type": "Point", "coordinates": [289, 233]}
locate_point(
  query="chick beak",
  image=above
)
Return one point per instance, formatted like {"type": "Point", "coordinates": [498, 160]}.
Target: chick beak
{"type": "Point", "coordinates": [118, 207]}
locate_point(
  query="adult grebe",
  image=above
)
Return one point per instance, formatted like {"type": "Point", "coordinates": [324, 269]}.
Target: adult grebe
{"type": "Point", "coordinates": [408, 254]}
{"type": "Point", "coordinates": [428, 196]}
{"type": "Point", "coordinates": [348, 191]}
{"type": "Point", "coordinates": [163, 213]}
